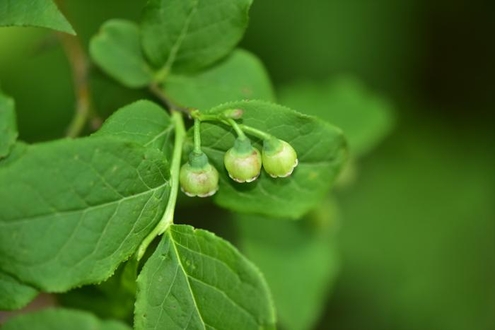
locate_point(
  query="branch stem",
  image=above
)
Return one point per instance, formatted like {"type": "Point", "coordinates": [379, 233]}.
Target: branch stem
{"type": "Point", "coordinates": [79, 66]}
{"type": "Point", "coordinates": [168, 216]}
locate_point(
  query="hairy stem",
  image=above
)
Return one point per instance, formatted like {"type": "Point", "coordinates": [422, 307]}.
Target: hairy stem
{"type": "Point", "coordinates": [168, 216]}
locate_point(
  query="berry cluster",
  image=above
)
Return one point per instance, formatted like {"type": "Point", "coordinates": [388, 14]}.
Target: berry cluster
{"type": "Point", "coordinates": [243, 161]}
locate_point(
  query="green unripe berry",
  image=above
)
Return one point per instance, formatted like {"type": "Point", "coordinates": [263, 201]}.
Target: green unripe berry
{"type": "Point", "coordinates": [279, 158]}
{"type": "Point", "coordinates": [243, 161]}
{"type": "Point", "coordinates": [198, 177]}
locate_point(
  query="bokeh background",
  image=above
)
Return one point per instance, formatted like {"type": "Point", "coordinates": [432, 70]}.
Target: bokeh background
{"type": "Point", "coordinates": [417, 232]}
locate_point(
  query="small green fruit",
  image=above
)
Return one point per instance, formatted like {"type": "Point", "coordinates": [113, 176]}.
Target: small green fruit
{"type": "Point", "coordinates": [198, 177]}
{"type": "Point", "coordinates": [243, 161]}
{"type": "Point", "coordinates": [279, 158]}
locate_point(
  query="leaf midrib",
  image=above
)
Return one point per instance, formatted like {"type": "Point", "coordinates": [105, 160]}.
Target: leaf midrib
{"type": "Point", "coordinates": [172, 241]}
{"type": "Point", "coordinates": [68, 212]}
{"type": "Point", "coordinates": [159, 135]}
{"type": "Point", "coordinates": [190, 277]}
{"type": "Point", "coordinates": [176, 46]}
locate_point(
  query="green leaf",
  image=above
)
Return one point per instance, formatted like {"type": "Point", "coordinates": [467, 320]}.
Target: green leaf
{"type": "Point", "coordinates": [299, 260]}
{"type": "Point", "coordinates": [196, 280]}
{"type": "Point", "coordinates": [91, 203]}
{"type": "Point", "coordinates": [364, 117]}
{"type": "Point", "coordinates": [142, 122]}
{"type": "Point", "coordinates": [15, 294]}
{"type": "Point", "coordinates": [41, 13]}
{"type": "Point", "coordinates": [8, 125]}
{"type": "Point", "coordinates": [61, 319]}
{"type": "Point", "coordinates": [321, 150]}
{"type": "Point", "coordinates": [113, 298]}
{"type": "Point", "coordinates": [188, 35]}
{"type": "Point", "coordinates": [240, 76]}
{"type": "Point", "coordinates": [17, 151]}
{"type": "Point", "coordinates": [117, 50]}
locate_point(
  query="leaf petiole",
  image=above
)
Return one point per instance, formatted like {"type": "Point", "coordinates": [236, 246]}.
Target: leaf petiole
{"type": "Point", "coordinates": [171, 105]}
{"type": "Point", "coordinates": [168, 216]}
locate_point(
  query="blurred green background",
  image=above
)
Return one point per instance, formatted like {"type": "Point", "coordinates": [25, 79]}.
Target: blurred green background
{"type": "Point", "coordinates": [417, 235]}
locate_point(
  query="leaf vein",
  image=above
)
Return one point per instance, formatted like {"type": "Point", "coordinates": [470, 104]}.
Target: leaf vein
{"type": "Point", "coordinates": [92, 208]}
{"type": "Point", "coordinates": [188, 284]}
{"type": "Point", "coordinates": [225, 295]}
